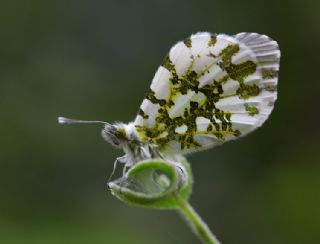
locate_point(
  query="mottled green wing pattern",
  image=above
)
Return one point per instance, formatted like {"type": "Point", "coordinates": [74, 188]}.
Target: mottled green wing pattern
{"type": "Point", "coordinates": [209, 89]}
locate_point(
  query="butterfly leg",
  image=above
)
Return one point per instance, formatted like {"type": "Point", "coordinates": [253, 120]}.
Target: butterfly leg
{"type": "Point", "coordinates": [145, 153]}
{"type": "Point", "coordinates": [124, 169]}
{"type": "Point", "coordinates": [123, 159]}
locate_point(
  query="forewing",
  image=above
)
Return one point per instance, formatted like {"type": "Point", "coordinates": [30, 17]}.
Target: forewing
{"type": "Point", "coordinates": [210, 89]}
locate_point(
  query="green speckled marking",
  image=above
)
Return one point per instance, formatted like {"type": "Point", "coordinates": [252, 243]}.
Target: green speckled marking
{"type": "Point", "coordinates": [240, 71]}
{"type": "Point", "coordinates": [212, 41]}
{"type": "Point", "coordinates": [246, 91]}
{"type": "Point", "coordinates": [226, 54]}
{"type": "Point", "coordinates": [237, 133]}
{"type": "Point", "coordinates": [188, 42]}
{"type": "Point", "coordinates": [167, 63]}
{"type": "Point", "coordinates": [252, 110]}
{"type": "Point", "coordinates": [269, 73]}
{"type": "Point", "coordinates": [188, 82]}
{"type": "Point", "coordinates": [142, 114]}
{"type": "Point", "coordinates": [154, 100]}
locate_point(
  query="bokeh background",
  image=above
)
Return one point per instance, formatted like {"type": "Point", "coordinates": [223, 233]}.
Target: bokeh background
{"type": "Point", "coordinates": [95, 60]}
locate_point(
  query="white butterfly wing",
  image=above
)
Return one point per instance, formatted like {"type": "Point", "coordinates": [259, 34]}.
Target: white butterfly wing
{"type": "Point", "coordinates": [210, 89]}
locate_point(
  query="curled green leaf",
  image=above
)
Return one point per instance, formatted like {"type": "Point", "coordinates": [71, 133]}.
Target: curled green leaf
{"type": "Point", "coordinates": [154, 183]}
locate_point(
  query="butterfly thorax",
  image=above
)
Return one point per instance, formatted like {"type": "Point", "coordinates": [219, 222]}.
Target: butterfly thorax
{"type": "Point", "coordinates": [124, 136]}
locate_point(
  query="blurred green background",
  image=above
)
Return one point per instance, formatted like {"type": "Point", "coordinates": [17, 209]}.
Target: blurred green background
{"type": "Point", "coordinates": [95, 60]}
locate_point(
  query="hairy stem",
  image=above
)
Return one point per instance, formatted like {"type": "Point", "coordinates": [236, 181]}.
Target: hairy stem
{"type": "Point", "coordinates": [195, 221]}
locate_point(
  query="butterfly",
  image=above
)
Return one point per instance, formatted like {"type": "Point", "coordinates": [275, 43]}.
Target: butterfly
{"type": "Point", "coordinates": [209, 89]}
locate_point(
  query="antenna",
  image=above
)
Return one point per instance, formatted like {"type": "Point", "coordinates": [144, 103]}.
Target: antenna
{"type": "Point", "coordinates": [63, 120]}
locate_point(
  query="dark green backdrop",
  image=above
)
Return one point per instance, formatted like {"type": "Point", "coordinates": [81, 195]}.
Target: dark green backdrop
{"type": "Point", "coordinates": [95, 60]}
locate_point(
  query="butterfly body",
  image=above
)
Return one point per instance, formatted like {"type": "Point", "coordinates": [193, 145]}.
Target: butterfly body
{"type": "Point", "coordinates": [210, 88]}
{"type": "Point", "coordinates": [125, 137]}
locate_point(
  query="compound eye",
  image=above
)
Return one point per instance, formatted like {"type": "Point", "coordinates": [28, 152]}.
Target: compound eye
{"type": "Point", "coordinates": [115, 140]}
{"type": "Point", "coordinates": [109, 133]}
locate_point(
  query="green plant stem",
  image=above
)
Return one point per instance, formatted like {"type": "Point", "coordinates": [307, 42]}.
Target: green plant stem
{"type": "Point", "coordinates": [195, 221]}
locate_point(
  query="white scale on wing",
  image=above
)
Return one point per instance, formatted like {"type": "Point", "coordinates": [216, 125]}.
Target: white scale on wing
{"type": "Point", "coordinates": [151, 110]}
{"type": "Point", "coordinates": [202, 124]}
{"type": "Point", "coordinates": [180, 56]}
{"type": "Point", "coordinates": [161, 83]}
{"type": "Point", "coordinates": [181, 103]}
{"type": "Point", "coordinates": [200, 51]}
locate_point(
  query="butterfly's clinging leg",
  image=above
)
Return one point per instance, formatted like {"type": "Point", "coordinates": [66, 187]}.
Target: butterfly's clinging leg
{"type": "Point", "coordinates": [145, 153]}
{"type": "Point", "coordinates": [124, 170]}
{"type": "Point", "coordinates": [154, 153]}
{"type": "Point", "coordinates": [122, 159]}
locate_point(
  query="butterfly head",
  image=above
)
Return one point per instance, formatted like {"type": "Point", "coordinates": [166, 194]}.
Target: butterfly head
{"type": "Point", "coordinates": [114, 134]}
